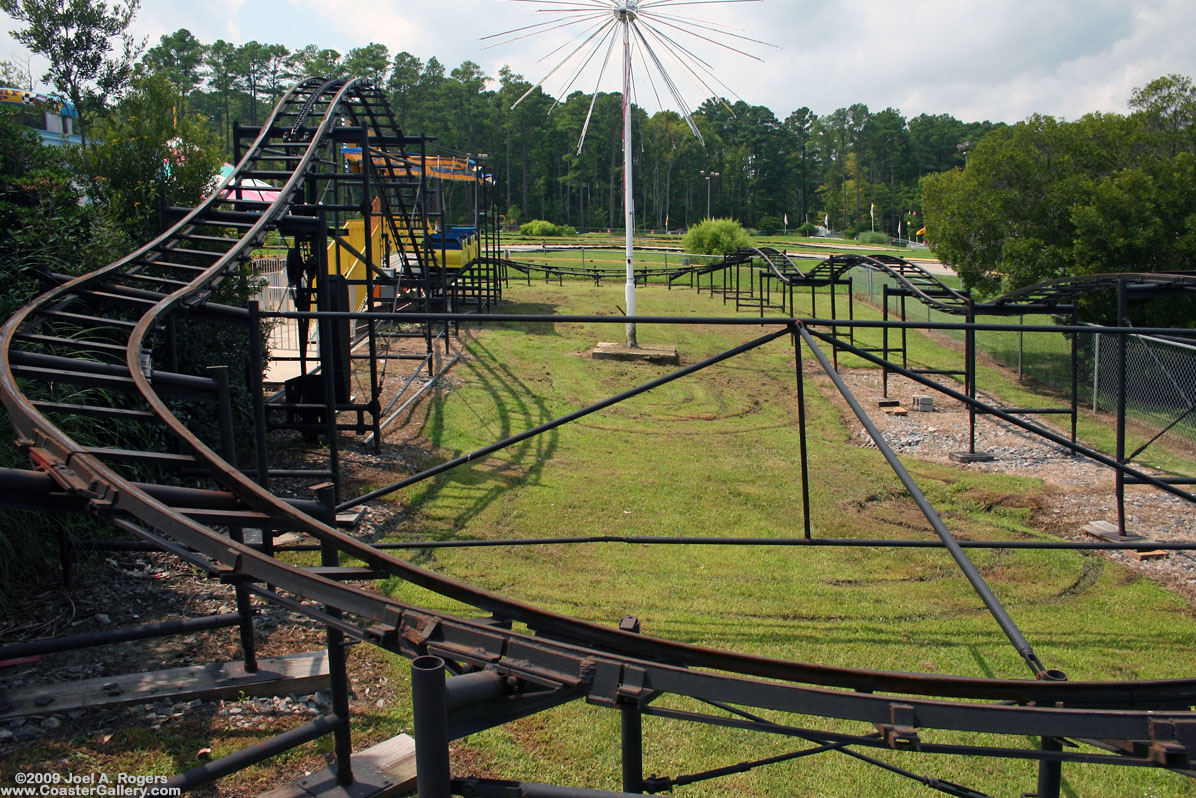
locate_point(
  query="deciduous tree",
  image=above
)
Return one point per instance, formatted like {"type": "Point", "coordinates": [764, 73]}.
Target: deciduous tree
{"type": "Point", "coordinates": [144, 154]}
{"type": "Point", "coordinates": [87, 43]}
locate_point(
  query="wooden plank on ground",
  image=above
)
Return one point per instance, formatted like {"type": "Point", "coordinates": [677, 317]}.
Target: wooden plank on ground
{"type": "Point", "coordinates": [388, 767]}
{"type": "Point", "coordinates": [1155, 554]}
{"type": "Point", "coordinates": [1107, 531]}
{"type": "Point", "coordinates": [294, 673]}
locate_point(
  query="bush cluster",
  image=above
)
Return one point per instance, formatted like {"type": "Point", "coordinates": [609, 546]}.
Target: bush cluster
{"type": "Point", "coordinates": [542, 228]}
{"type": "Point", "coordinates": [716, 237]}
{"type": "Point", "coordinates": [872, 237]}
{"type": "Point", "coordinates": [143, 152]}
{"type": "Point", "coordinates": [771, 225]}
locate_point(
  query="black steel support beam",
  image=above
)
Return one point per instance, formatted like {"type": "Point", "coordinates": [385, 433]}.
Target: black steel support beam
{"type": "Point", "coordinates": [970, 572]}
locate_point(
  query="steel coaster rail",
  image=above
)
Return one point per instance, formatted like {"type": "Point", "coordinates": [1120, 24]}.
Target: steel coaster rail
{"type": "Point", "coordinates": [566, 658]}
{"type": "Point", "coordinates": [732, 321]}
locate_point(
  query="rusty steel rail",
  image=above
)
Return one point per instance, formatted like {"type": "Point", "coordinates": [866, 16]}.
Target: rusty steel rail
{"type": "Point", "coordinates": [93, 331]}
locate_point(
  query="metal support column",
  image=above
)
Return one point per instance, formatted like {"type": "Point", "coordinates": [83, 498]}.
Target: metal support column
{"type": "Point", "coordinates": [327, 353]}
{"type": "Point", "coordinates": [850, 309]}
{"type": "Point", "coordinates": [884, 342]}
{"type": "Point", "coordinates": [338, 673]}
{"type": "Point", "coordinates": [244, 611]}
{"type": "Point", "coordinates": [1075, 377]}
{"type": "Point", "coordinates": [430, 716]}
{"type": "Point", "coordinates": [834, 327]}
{"type": "Point", "coordinates": [969, 373]}
{"type": "Point", "coordinates": [1122, 341]}
{"type": "Point", "coordinates": [367, 212]}
{"type": "Point", "coordinates": [632, 739]}
{"type": "Point", "coordinates": [801, 433]}
{"type": "Point", "coordinates": [257, 367]}
{"type": "Point", "coordinates": [1050, 772]}
{"type": "Point", "coordinates": [224, 414]}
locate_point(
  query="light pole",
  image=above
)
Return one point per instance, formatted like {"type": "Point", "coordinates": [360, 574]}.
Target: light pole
{"type": "Point", "coordinates": [707, 175]}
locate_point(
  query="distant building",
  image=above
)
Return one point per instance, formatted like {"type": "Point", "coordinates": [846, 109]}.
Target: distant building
{"type": "Point", "coordinates": [52, 118]}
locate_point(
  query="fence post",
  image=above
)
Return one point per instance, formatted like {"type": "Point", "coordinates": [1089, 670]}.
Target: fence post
{"type": "Point", "coordinates": [1123, 320]}
{"type": "Point", "coordinates": [1075, 375]}
{"type": "Point", "coordinates": [1021, 319]}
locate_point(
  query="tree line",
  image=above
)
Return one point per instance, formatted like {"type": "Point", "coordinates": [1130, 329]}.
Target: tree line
{"type": "Point", "coordinates": [1005, 205]}
{"type": "Point", "coordinates": [853, 169]}
{"type": "Point", "coordinates": [1048, 198]}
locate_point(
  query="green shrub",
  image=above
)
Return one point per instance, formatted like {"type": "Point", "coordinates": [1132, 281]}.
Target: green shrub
{"type": "Point", "coordinates": [770, 225]}
{"type": "Point", "coordinates": [872, 237]}
{"type": "Point", "coordinates": [142, 152]}
{"type": "Point", "coordinates": [716, 237]}
{"type": "Point", "coordinates": [807, 229]}
{"type": "Point", "coordinates": [541, 228]}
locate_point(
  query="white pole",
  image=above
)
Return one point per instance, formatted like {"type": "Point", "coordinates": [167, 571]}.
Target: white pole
{"type": "Point", "coordinates": [628, 198]}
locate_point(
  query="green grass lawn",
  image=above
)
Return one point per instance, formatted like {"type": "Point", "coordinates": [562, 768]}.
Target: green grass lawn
{"type": "Point", "coordinates": [717, 454]}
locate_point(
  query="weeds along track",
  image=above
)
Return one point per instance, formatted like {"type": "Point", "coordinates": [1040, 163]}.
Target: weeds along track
{"type": "Point", "coordinates": [95, 351]}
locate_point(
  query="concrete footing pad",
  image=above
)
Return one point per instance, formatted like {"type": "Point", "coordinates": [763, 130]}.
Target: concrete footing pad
{"type": "Point", "coordinates": [644, 353]}
{"type": "Point", "coordinates": [971, 457]}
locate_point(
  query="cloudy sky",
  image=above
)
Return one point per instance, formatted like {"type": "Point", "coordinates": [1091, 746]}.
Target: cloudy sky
{"type": "Point", "coordinates": [996, 59]}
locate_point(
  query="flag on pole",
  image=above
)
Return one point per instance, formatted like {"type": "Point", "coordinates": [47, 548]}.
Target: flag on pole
{"type": "Point", "coordinates": [826, 221]}
{"type": "Point", "coordinates": [786, 220]}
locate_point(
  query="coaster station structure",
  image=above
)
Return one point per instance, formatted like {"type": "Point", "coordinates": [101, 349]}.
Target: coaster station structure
{"type": "Point", "coordinates": [192, 490]}
{"type": "Point", "coordinates": [373, 202]}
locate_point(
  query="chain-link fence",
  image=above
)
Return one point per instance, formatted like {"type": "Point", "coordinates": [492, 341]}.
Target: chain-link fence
{"type": "Point", "coordinates": [1160, 380]}
{"type": "Point", "coordinates": [1160, 373]}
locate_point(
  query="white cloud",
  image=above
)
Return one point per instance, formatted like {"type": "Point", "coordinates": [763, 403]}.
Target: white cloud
{"type": "Point", "coordinates": [353, 23]}
{"type": "Point", "coordinates": [973, 59]}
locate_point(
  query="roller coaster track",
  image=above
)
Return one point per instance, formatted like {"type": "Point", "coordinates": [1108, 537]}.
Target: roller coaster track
{"type": "Point", "coordinates": [92, 352]}
{"type": "Point", "coordinates": [911, 277]}
{"type": "Point", "coordinates": [917, 282]}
